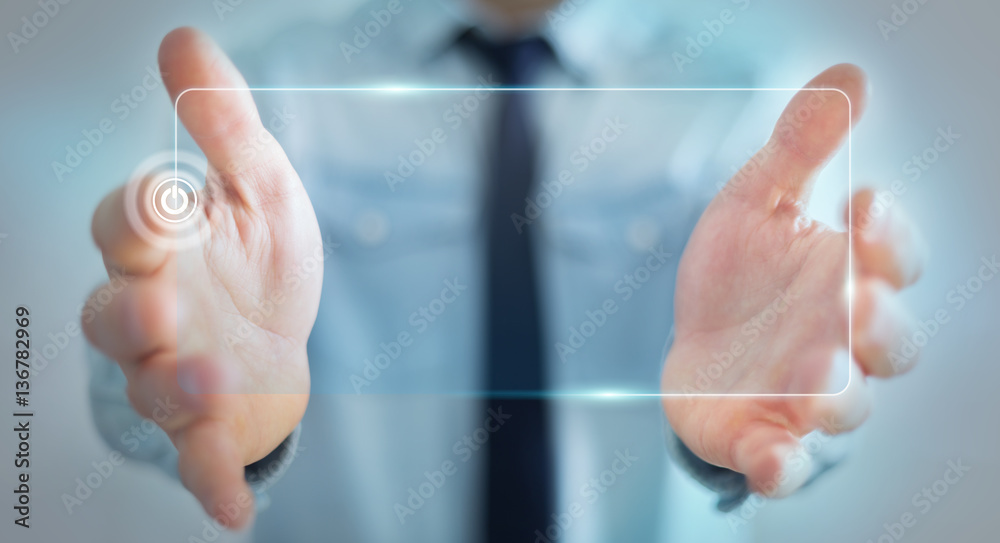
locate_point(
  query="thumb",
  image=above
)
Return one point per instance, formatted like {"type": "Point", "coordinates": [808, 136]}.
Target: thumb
{"type": "Point", "coordinates": [211, 467]}
{"type": "Point", "coordinates": [773, 460]}
{"type": "Point", "coordinates": [217, 109]}
{"type": "Point", "coordinates": [808, 133]}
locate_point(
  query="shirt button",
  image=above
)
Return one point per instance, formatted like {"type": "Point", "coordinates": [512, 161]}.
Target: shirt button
{"type": "Point", "coordinates": [642, 233]}
{"type": "Point", "coordinates": [372, 227]}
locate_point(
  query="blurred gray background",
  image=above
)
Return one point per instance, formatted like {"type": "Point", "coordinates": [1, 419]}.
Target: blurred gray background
{"type": "Point", "coordinates": [938, 70]}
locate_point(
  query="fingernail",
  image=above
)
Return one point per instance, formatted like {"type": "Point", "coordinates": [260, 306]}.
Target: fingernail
{"type": "Point", "coordinates": [187, 378]}
{"type": "Point", "coordinates": [796, 467]}
{"type": "Point", "coordinates": [875, 220]}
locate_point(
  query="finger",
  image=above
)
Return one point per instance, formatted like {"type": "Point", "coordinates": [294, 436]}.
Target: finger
{"type": "Point", "coordinates": [136, 319]}
{"type": "Point", "coordinates": [771, 458]}
{"type": "Point", "coordinates": [806, 136]}
{"type": "Point", "coordinates": [122, 247]}
{"type": "Point", "coordinates": [211, 467]}
{"type": "Point", "coordinates": [880, 327]}
{"type": "Point", "coordinates": [845, 408]}
{"type": "Point", "coordinates": [886, 242]}
{"type": "Point", "coordinates": [173, 391]}
{"type": "Point", "coordinates": [224, 123]}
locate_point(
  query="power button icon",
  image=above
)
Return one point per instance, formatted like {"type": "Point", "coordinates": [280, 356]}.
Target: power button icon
{"type": "Point", "coordinates": [175, 200]}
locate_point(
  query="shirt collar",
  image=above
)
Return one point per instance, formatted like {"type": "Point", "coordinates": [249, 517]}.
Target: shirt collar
{"type": "Point", "coordinates": [436, 26]}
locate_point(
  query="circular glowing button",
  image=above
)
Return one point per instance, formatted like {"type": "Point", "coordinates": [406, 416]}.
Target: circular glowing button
{"type": "Point", "coordinates": [174, 203]}
{"type": "Point", "coordinates": [179, 199]}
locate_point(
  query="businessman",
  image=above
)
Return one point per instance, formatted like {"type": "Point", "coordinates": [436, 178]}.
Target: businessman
{"type": "Point", "coordinates": [754, 265]}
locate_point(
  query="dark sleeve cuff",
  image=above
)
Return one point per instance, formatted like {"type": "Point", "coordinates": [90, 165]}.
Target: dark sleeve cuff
{"type": "Point", "coordinates": [268, 470]}
{"type": "Point", "coordinates": [729, 485]}
{"type": "Point", "coordinates": [732, 486]}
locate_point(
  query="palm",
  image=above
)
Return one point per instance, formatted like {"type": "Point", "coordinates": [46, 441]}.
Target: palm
{"type": "Point", "coordinates": [257, 296]}
{"type": "Point", "coordinates": [761, 306]}
{"type": "Point", "coordinates": [766, 291]}
{"type": "Point", "coordinates": [760, 310]}
{"type": "Point", "coordinates": [252, 305]}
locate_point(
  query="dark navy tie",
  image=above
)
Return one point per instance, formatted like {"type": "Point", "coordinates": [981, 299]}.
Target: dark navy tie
{"type": "Point", "coordinates": [519, 493]}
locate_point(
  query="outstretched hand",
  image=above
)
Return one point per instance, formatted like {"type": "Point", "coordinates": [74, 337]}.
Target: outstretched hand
{"type": "Point", "coordinates": [217, 332]}
{"type": "Point", "coordinates": [762, 302]}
